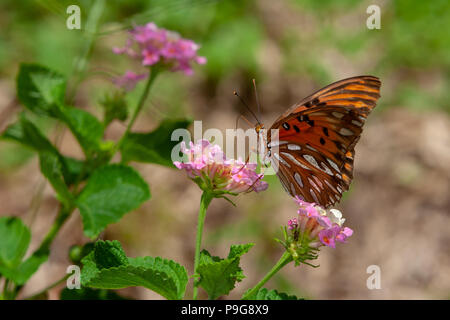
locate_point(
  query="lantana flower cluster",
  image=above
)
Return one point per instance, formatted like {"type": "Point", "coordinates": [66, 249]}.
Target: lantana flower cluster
{"type": "Point", "coordinates": [208, 166]}
{"type": "Point", "coordinates": [157, 46]}
{"type": "Point", "coordinates": [313, 228]}
{"type": "Point", "coordinates": [129, 80]}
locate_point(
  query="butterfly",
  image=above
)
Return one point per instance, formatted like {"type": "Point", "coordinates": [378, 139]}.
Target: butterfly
{"type": "Point", "coordinates": [314, 149]}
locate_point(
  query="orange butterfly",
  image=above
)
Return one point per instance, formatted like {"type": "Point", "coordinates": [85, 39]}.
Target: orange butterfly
{"type": "Point", "coordinates": [317, 137]}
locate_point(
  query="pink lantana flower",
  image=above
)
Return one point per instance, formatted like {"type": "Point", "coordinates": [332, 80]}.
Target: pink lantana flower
{"type": "Point", "coordinates": [129, 80]}
{"type": "Point", "coordinates": [313, 228]}
{"type": "Point", "coordinates": [208, 166]}
{"type": "Point", "coordinates": [152, 45]}
{"type": "Point", "coordinates": [293, 224]}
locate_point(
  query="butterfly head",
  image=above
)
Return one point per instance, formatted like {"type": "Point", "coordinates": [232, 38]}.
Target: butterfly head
{"type": "Point", "coordinates": [259, 127]}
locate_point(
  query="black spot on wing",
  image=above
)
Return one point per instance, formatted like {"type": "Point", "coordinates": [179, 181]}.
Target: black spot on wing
{"type": "Point", "coordinates": [322, 141]}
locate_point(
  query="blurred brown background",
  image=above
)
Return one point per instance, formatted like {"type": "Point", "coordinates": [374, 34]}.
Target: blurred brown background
{"type": "Point", "coordinates": [398, 204]}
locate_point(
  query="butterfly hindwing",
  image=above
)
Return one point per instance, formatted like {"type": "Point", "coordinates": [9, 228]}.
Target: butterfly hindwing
{"type": "Point", "coordinates": [317, 139]}
{"type": "Point", "coordinates": [314, 178]}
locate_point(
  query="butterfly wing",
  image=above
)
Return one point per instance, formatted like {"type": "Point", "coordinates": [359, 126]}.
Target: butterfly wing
{"type": "Point", "coordinates": [317, 136]}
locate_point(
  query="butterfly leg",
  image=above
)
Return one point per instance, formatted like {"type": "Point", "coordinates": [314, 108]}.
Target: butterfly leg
{"type": "Point", "coordinates": [250, 188]}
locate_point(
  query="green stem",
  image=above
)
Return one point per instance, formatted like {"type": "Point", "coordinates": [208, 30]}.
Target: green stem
{"type": "Point", "coordinates": [284, 260]}
{"type": "Point", "coordinates": [62, 216]}
{"type": "Point", "coordinates": [5, 295]}
{"type": "Point", "coordinates": [151, 78]}
{"type": "Point", "coordinates": [44, 248]}
{"type": "Point", "coordinates": [204, 203]}
{"type": "Point", "coordinates": [34, 296]}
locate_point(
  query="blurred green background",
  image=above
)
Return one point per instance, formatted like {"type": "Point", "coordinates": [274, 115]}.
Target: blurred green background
{"type": "Point", "coordinates": [398, 204]}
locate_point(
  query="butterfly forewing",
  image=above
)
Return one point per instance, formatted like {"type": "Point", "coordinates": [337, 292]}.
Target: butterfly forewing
{"type": "Point", "coordinates": [317, 139]}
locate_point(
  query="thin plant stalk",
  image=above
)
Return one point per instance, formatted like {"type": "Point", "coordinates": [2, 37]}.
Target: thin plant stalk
{"type": "Point", "coordinates": [151, 78]}
{"type": "Point", "coordinates": [204, 203]}
{"type": "Point", "coordinates": [284, 260]}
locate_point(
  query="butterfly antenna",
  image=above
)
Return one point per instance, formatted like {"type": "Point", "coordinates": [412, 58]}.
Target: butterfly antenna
{"type": "Point", "coordinates": [246, 105]}
{"type": "Point", "coordinates": [257, 99]}
{"type": "Point", "coordinates": [245, 119]}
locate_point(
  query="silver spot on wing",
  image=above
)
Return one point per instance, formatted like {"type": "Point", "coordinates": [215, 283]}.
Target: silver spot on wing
{"type": "Point", "coordinates": [313, 194]}
{"type": "Point", "coordinates": [331, 199]}
{"type": "Point", "coordinates": [292, 188]}
{"type": "Point", "coordinates": [318, 182]}
{"type": "Point", "coordinates": [327, 170]}
{"type": "Point", "coordinates": [311, 160]}
{"type": "Point", "coordinates": [311, 148]}
{"type": "Point", "coordinates": [334, 165]}
{"type": "Point", "coordinates": [276, 143]}
{"type": "Point", "coordinates": [294, 160]}
{"type": "Point", "coordinates": [337, 114]}
{"type": "Point", "coordinates": [280, 159]}
{"type": "Point", "coordinates": [298, 178]}
{"type": "Point", "coordinates": [331, 186]}
{"type": "Point", "coordinates": [357, 123]}
{"type": "Point", "coordinates": [346, 132]}
{"type": "Point", "coordinates": [311, 182]}
{"type": "Point", "coordinates": [294, 147]}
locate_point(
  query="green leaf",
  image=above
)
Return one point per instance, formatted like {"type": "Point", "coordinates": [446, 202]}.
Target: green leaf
{"type": "Point", "coordinates": [15, 238]}
{"type": "Point", "coordinates": [25, 132]}
{"type": "Point", "coordinates": [165, 277]}
{"type": "Point", "coordinates": [206, 257]}
{"type": "Point", "coordinates": [26, 269]}
{"type": "Point", "coordinates": [109, 254]}
{"type": "Point", "coordinates": [114, 107]}
{"type": "Point", "coordinates": [237, 250]}
{"type": "Point", "coordinates": [264, 294]}
{"type": "Point", "coordinates": [110, 192]}
{"type": "Point", "coordinates": [155, 146]}
{"type": "Point", "coordinates": [89, 294]}
{"type": "Point", "coordinates": [219, 276]}
{"type": "Point", "coordinates": [51, 168]}
{"type": "Point", "coordinates": [73, 170]}
{"type": "Point", "coordinates": [84, 126]}
{"type": "Point", "coordinates": [40, 89]}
